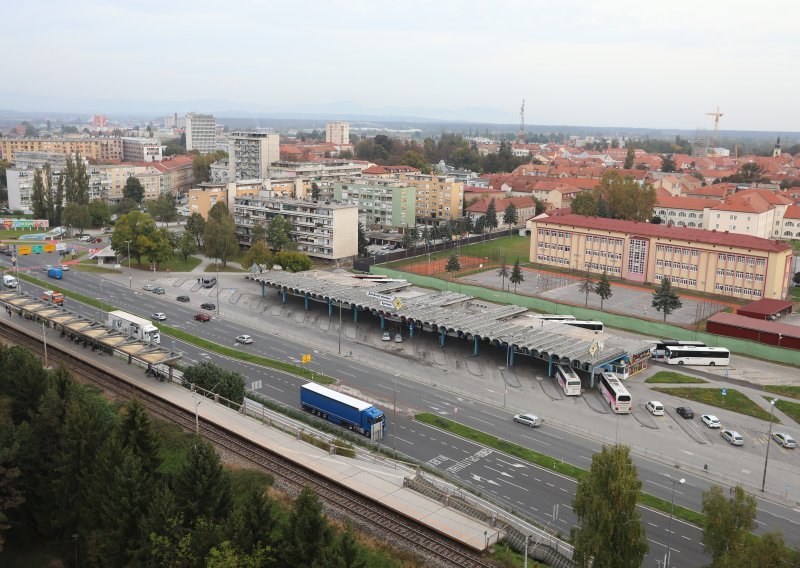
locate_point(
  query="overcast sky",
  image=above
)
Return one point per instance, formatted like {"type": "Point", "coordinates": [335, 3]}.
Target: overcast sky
{"type": "Point", "coordinates": [598, 63]}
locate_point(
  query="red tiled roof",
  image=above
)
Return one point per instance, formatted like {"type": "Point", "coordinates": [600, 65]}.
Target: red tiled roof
{"type": "Point", "coordinates": [670, 232]}
{"type": "Point", "coordinates": [501, 204]}
{"type": "Point", "coordinates": [693, 203]}
{"type": "Point", "coordinates": [792, 212]}
{"type": "Point", "coordinates": [752, 203]}
{"type": "Point", "coordinates": [769, 196]}
{"type": "Point", "coordinates": [745, 322]}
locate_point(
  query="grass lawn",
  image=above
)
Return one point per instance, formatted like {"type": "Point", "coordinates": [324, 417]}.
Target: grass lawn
{"type": "Point", "coordinates": [672, 377]}
{"type": "Point", "coordinates": [229, 268]}
{"type": "Point", "coordinates": [176, 264]}
{"type": "Point", "coordinates": [509, 248]}
{"type": "Point", "coordinates": [788, 407]}
{"type": "Point", "coordinates": [734, 400]}
{"type": "Point", "coordinates": [91, 267]}
{"type": "Point", "coordinates": [791, 392]}
{"type": "Point", "coordinates": [546, 461]}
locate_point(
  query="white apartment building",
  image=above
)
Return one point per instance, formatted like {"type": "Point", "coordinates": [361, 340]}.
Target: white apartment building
{"type": "Point", "coordinates": [250, 154]}
{"type": "Point", "coordinates": [321, 230]}
{"type": "Point", "coordinates": [201, 133]}
{"type": "Point", "coordinates": [142, 150]}
{"type": "Point", "coordinates": [337, 133]}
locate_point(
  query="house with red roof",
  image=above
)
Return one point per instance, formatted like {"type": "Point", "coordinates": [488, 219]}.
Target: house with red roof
{"type": "Point", "coordinates": [526, 208]}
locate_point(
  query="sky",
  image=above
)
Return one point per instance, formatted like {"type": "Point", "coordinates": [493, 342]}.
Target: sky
{"type": "Point", "coordinates": [594, 63]}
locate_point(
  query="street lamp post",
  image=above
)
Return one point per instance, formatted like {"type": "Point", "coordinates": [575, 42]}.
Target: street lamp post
{"type": "Point", "coordinates": [671, 514]}
{"type": "Point", "coordinates": [130, 276]}
{"type": "Point", "coordinates": [340, 327]}
{"type": "Point", "coordinates": [44, 340]}
{"type": "Point", "coordinates": [217, 266]}
{"type": "Point", "coordinates": [394, 422]}
{"type": "Point", "coordinates": [769, 441]}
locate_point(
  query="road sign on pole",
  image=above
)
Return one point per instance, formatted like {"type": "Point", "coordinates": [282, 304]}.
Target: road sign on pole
{"type": "Point", "coordinates": [306, 359]}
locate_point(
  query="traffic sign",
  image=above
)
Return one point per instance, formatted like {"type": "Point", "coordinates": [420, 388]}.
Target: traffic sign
{"type": "Point", "coordinates": [398, 304]}
{"type": "Point", "coordinates": [306, 359]}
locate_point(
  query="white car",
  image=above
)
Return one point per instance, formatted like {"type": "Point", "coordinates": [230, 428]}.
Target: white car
{"type": "Point", "coordinates": [147, 287]}
{"type": "Point", "coordinates": [386, 336]}
{"type": "Point", "coordinates": [655, 408]}
{"type": "Point", "coordinates": [398, 338]}
{"type": "Point", "coordinates": [159, 316]}
{"type": "Point", "coordinates": [733, 437]}
{"type": "Point", "coordinates": [246, 339]}
{"type": "Point", "coordinates": [710, 420]}
{"type": "Point", "coordinates": [86, 238]}
{"type": "Point", "coordinates": [528, 420]}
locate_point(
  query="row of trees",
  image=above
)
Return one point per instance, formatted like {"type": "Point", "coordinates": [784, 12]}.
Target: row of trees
{"type": "Point", "coordinates": [98, 484]}
{"type": "Point", "coordinates": [201, 165]}
{"type": "Point", "coordinates": [617, 197]}
{"type": "Point", "coordinates": [66, 203]}
{"type": "Point", "coordinates": [611, 532]}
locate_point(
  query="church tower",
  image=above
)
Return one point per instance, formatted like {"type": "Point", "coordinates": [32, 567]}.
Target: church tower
{"type": "Point", "coordinates": [776, 151]}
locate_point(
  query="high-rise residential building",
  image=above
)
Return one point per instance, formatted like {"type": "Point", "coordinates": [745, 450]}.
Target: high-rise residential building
{"type": "Point", "coordinates": [250, 154]}
{"type": "Point", "coordinates": [337, 133]}
{"type": "Point", "coordinates": [438, 197]}
{"type": "Point", "coordinates": [99, 149]}
{"type": "Point", "coordinates": [142, 150]}
{"type": "Point", "coordinates": [388, 203]}
{"type": "Point", "coordinates": [201, 133]}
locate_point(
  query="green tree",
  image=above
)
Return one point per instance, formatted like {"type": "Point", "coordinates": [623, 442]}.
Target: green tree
{"type": "Point", "coordinates": [38, 199]}
{"type": "Point", "coordinates": [81, 184]}
{"type": "Point", "coordinates": [157, 247]}
{"type": "Point", "coordinates": [315, 191]}
{"type": "Point", "coordinates": [490, 218]}
{"type": "Point", "coordinates": [629, 158]}
{"type": "Point", "coordinates": [510, 216]}
{"type": "Point", "coordinates": [665, 300]}
{"type": "Point", "coordinates": [307, 536]}
{"type": "Point", "coordinates": [187, 245]}
{"type": "Point", "coordinates": [58, 201]}
{"type": "Point", "coordinates": [137, 436]}
{"type": "Point", "coordinates": [136, 227]}
{"type": "Point", "coordinates": [347, 552]}
{"type": "Point", "coordinates": [69, 180]}
{"type": "Point", "coordinates": [11, 439]}
{"type": "Point", "coordinates": [517, 277]}
{"type": "Point", "coordinates": [292, 261]}
{"type": "Point", "coordinates": [656, 220]}
{"type": "Point", "coordinates": [796, 278]}
{"type": "Point", "coordinates": [76, 216]}
{"type": "Point", "coordinates": [196, 226]}
{"type": "Point", "coordinates": [203, 487]}
{"type": "Point", "coordinates": [363, 242]}
{"type": "Point", "coordinates": [611, 531]}
{"type": "Point", "coordinates": [585, 203]}
{"type": "Point", "coordinates": [625, 198]}
{"type": "Point", "coordinates": [453, 265]}
{"type": "Point", "coordinates": [257, 254]}
{"type": "Point", "coordinates": [133, 189]}
{"type": "Point", "coordinates": [668, 163]}
{"type": "Point", "coordinates": [163, 208]}
{"type": "Point", "coordinates": [503, 273]}
{"type": "Point", "coordinates": [586, 287]}
{"type": "Point", "coordinates": [219, 236]}
{"type": "Point", "coordinates": [99, 213]}
{"type": "Point", "coordinates": [603, 289]}
{"type": "Point", "coordinates": [728, 521]}
{"type": "Point", "coordinates": [22, 380]}
{"type": "Point", "coordinates": [254, 522]}
{"type": "Point", "coordinates": [415, 160]}
{"type": "Point", "coordinates": [211, 377]}
{"type": "Point", "coordinates": [278, 232]}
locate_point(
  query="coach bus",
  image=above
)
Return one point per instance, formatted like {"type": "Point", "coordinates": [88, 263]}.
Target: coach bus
{"type": "Point", "coordinates": [586, 324]}
{"type": "Point", "coordinates": [615, 394]}
{"type": "Point", "coordinates": [569, 380]}
{"type": "Point", "coordinates": [696, 355]}
{"type": "Point", "coordinates": [554, 317]}
{"type": "Point", "coordinates": [660, 347]}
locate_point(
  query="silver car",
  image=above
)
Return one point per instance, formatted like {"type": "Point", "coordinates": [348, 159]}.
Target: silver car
{"type": "Point", "coordinates": [785, 440]}
{"type": "Point", "coordinates": [528, 420]}
{"type": "Point", "coordinates": [733, 437]}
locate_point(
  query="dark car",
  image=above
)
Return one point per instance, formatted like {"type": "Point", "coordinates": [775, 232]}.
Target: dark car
{"type": "Point", "coordinates": [202, 316]}
{"type": "Point", "coordinates": [96, 240]}
{"type": "Point", "coordinates": [208, 306]}
{"type": "Point", "coordinates": [182, 298]}
{"type": "Point", "coordinates": [685, 411]}
{"type": "Point", "coordinates": [159, 290]}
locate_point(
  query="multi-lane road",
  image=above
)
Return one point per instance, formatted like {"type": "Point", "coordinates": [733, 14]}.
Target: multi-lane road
{"type": "Point", "coordinates": [535, 492]}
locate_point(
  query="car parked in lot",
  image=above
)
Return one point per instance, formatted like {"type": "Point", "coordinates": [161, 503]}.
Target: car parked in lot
{"type": "Point", "coordinates": [246, 339]}
{"type": "Point", "coordinates": [159, 316]}
{"type": "Point", "coordinates": [159, 290]}
{"type": "Point", "coordinates": [710, 420]}
{"type": "Point", "coordinates": [398, 338]}
{"type": "Point", "coordinates": [732, 437]}
{"type": "Point", "coordinates": [202, 316]}
{"type": "Point", "coordinates": [386, 336]}
{"type": "Point", "coordinates": [785, 440]}
{"type": "Point", "coordinates": [655, 408]}
{"type": "Point", "coordinates": [182, 298]}
{"type": "Point", "coordinates": [685, 411]}
{"type": "Point", "coordinates": [148, 287]}
{"type": "Point", "coordinates": [208, 306]}
{"type": "Point", "coordinates": [528, 420]}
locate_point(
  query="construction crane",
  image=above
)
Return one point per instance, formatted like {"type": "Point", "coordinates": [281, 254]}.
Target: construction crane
{"type": "Point", "coordinates": [521, 135]}
{"type": "Point", "coordinates": [716, 116]}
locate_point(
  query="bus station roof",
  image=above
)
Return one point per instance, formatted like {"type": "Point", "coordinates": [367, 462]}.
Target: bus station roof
{"type": "Point", "coordinates": [459, 315]}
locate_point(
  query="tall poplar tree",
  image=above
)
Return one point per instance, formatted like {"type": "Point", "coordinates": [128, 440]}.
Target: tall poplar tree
{"type": "Point", "coordinates": [38, 199]}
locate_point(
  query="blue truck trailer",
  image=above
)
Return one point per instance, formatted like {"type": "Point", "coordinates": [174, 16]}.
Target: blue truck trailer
{"type": "Point", "coordinates": [343, 410]}
{"type": "Point", "coordinates": [56, 273]}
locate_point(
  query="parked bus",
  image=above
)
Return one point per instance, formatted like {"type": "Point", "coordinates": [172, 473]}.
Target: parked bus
{"type": "Point", "coordinates": [615, 394]}
{"type": "Point", "coordinates": [696, 355]}
{"type": "Point", "coordinates": [586, 324]}
{"type": "Point", "coordinates": [553, 317]}
{"type": "Point", "coordinates": [569, 380]}
{"type": "Point", "coordinates": [660, 347]}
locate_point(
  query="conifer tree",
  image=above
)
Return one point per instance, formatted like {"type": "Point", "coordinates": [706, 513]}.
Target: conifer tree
{"type": "Point", "coordinates": [203, 487]}
{"type": "Point", "coordinates": [603, 289]}
{"type": "Point", "coordinates": [453, 265]}
{"type": "Point", "coordinates": [517, 277]}
{"type": "Point", "coordinates": [665, 300]}
{"type": "Point", "coordinates": [503, 273]}
{"type": "Point", "coordinates": [307, 536]}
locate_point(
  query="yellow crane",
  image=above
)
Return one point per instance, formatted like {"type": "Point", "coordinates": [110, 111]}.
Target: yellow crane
{"type": "Point", "coordinates": [716, 116]}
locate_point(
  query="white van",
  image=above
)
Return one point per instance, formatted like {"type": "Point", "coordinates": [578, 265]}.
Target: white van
{"type": "Point", "coordinates": [9, 281]}
{"type": "Point", "coordinates": [655, 408]}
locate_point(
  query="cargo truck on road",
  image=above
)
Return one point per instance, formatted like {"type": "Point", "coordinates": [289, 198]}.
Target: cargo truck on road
{"type": "Point", "coordinates": [343, 410]}
{"type": "Point", "coordinates": [133, 326]}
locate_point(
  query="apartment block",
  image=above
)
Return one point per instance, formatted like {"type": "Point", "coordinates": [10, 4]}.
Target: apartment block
{"type": "Point", "coordinates": [173, 175]}
{"type": "Point", "coordinates": [714, 262]}
{"type": "Point", "coordinates": [337, 133]}
{"type": "Point", "coordinates": [319, 229]}
{"type": "Point", "coordinates": [386, 203]}
{"type": "Point", "coordinates": [250, 154]}
{"type": "Point", "coordinates": [94, 149]}
{"type": "Point", "coordinates": [201, 132]}
{"type": "Point", "coordinates": [438, 197]}
{"type": "Point", "coordinates": [142, 150]}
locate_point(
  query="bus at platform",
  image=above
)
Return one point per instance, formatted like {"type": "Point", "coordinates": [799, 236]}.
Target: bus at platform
{"type": "Point", "coordinates": [617, 396]}
{"type": "Point", "coordinates": [569, 380]}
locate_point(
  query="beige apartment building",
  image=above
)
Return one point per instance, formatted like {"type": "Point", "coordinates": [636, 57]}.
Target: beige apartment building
{"type": "Point", "coordinates": [438, 197]}
{"type": "Point", "coordinates": [337, 133]}
{"type": "Point", "coordinates": [94, 149]}
{"type": "Point", "coordinates": [714, 262]}
{"type": "Point", "coordinates": [157, 178]}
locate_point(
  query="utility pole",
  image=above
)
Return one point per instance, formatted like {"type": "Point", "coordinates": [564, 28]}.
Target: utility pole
{"type": "Point", "coordinates": [340, 327]}
{"type": "Point", "coordinates": [44, 339]}
{"type": "Point", "coordinates": [769, 442]}
{"type": "Point", "coordinates": [130, 277]}
{"type": "Point", "coordinates": [394, 422]}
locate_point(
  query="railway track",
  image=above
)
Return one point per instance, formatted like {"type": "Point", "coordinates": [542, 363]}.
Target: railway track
{"type": "Point", "coordinates": [418, 538]}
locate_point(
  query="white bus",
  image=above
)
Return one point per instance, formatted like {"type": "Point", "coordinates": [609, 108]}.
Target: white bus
{"type": "Point", "coordinates": [659, 350]}
{"type": "Point", "coordinates": [696, 355]}
{"type": "Point", "coordinates": [569, 380]}
{"type": "Point", "coordinates": [586, 324]}
{"type": "Point", "coordinates": [615, 394]}
{"type": "Point", "coordinates": [553, 317]}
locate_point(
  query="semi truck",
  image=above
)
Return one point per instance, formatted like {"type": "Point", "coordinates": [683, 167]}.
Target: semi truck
{"type": "Point", "coordinates": [53, 297]}
{"type": "Point", "coordinates": [133, 326]}
{"type": "Point", "coordinates": [9, 281]}
{"type": "Point", "coordinates": [344, 410]}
